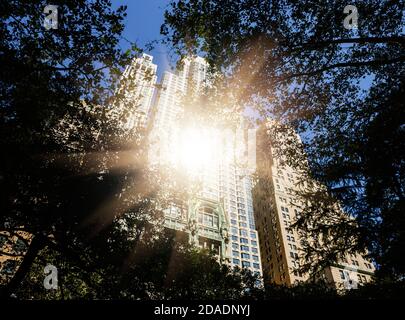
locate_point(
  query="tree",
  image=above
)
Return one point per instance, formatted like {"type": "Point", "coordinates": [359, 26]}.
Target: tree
{"type": "Point", "coordinates": [340, 89]}
{"type": "Point", "coordinates": [76, 179]}
{"type": "Point", "coordinates": [68, 167]}
{"type": "Point", "coordinates": [168, 268]}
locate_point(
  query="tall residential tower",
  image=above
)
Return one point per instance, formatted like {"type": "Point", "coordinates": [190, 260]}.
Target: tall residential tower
{"type": "Point", "coordinates": [220, 216]}
{"type": "Point", "coordinates": [138, 87]}
{"type": "Point", "coordinates": [276, 207]}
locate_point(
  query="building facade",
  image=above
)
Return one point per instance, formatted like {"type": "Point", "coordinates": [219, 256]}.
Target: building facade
{"type": "Point", "coordinates": [220, 216]}
{"type": "Point", "coordinates": [137, 88]}
{"type": "Point", "coordinates": [276, 207]}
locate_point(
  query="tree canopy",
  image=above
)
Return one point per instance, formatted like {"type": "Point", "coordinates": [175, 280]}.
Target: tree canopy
{"type": "Point", "coordinates": [75, 178]}
{"type": "Point", "coordinates": [340, 89]}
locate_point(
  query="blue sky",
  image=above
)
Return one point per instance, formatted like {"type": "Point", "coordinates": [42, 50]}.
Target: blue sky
{"type": "Point", "coordinates": [142, 25]}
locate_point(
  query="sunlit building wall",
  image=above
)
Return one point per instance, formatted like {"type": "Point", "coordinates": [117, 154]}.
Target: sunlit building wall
{"type": "Point", "coordinates": [225, 184]}
{"type": "Point", "coordinates": [276, 207]}
{"type": "Point", "coordinates": [138, 87]}
{"type": "Point", "coordinates": [235, 189]}
{"type": "Point", "coordinates": [174, 86]}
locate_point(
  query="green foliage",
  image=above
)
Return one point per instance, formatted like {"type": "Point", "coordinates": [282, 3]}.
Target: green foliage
{"type": "Point", "coordinates": [167, 268]}
{"type": "Point", "coordinates": [68, 166]}
{"type": "Point", "coordinates": [341, 90]}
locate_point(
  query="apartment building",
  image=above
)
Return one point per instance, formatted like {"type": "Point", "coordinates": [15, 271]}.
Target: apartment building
{"type": "Point", "coordinates": [276, 207]}
{"type": "Point", "coordinates": [220, 216]}
{"type": "Point", "coordinates": [137, 88]}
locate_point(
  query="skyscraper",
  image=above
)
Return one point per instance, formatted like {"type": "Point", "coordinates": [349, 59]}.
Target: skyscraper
{"type": "Point", "coordinates": [138, 87]}
{"type": "Point", "coordinates": [276, 207]}
{"type": "Point", "coordinates": [174, 86]}
{"type": "Point", "coordinates": [220, 216]}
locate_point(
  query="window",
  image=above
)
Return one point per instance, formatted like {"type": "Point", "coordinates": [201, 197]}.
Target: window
{"type": "Point", "coordinates": [242, 218]}
{"type": "Point", "coordinates": [175, 211]}
{"type": "Point", "coordinates": [243, 224]}
{"type": "Point", "coordinates": [254, 243]}
{"type": "Point", "coordinates": [244, 248]}
{"type": "Point", "coordinates": [234, 238]}
{"type": "Point", "coordinates": [9, 266]}
{"type": "Point", "coordinates": [235, 253]}
{"type": "Point", "coordinates": [234, 230]}
{"type": "Point", "coordinates": [245, 255]}
{"type": "Point", "coordinates": [254, 250]}
{"type": "Point", "coordinates": [233, 221]}
{"type": "Point", "coordinates": [342, 275]}
{"type": "Point", "coordinates": [3, 240]}
{"type": "Point", "coordinates": [20, 246]}
{"type": "Point", "coordinates": [255, 258]}
{"type": "Point", "coordinates": [244, 240]}
{"type": "Point", "coordinates": [243, 233]}
{"type": "Point", "coordinates": [245, 264]}
{"type": "Point", "coordinates": [253, 235]}
{"type": "Point", "coordinates": [236, 261]}
{"type": "Point", "coordinates": [207, 217]}
{"type": "Point", "coordinates": [256, 266]}
{"type": "Point", "coordinates": [283, 200]}
{"type": "Point", "coordinates": [235, 245]}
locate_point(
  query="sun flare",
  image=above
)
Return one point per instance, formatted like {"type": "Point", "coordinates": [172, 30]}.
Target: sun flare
{"type": "Point", "coordinates": [194, 149]}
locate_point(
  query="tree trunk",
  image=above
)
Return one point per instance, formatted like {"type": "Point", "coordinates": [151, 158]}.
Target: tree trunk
{"type": "Point", "coordinates": [38, 242]}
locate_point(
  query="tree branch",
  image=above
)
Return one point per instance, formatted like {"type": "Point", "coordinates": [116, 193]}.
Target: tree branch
{"type": "Point", "coordinates": [38, 243]}
{"type": "Point", "coordinates": [365, 40]}
{"type": "Point", "coordinates": [341, 65]}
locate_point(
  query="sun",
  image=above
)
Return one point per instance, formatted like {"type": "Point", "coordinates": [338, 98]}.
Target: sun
{"type": "Point", "coordinates": [194, 149]}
